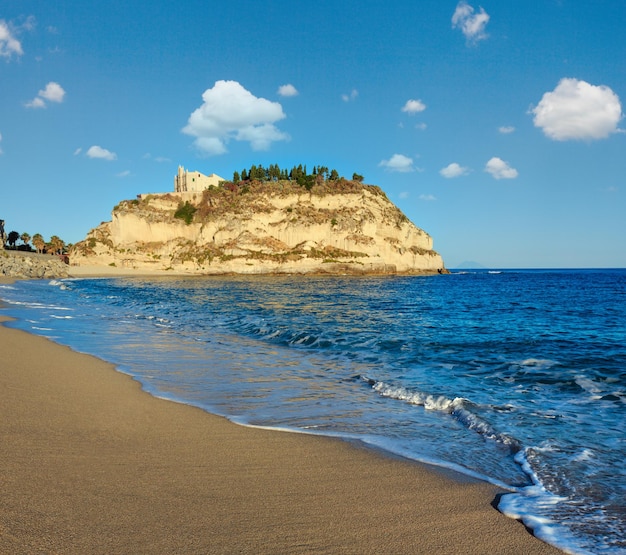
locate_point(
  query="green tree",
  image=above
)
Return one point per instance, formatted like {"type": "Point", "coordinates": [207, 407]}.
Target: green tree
{"type": "Point", "coordinates": [12, 238]}
{"type": "Point", "coordinates": [334, 175]}
{"type": "Point", "coordinates": [296, 173]}
{"type": "Point", "coordinates": [259, 173]}
{"type": "Point", "coordinates": [25, 237]}
{"type": "Point", "coordinates": [236, 177]}
{"type": "Point", "coordinates": [357, 177]}
{"type": "Point", "coordinates": [306, 181]}
{"type": "Point", "coordinates": [274, 172]}
{"type": "Point", "coordinates": [39, 242]}
{"type": "Point", "coordinates": [56, 245]}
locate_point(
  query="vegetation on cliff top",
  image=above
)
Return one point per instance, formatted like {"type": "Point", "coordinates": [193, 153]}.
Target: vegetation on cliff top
{"type": "Point", "coordinates": [297, 174]}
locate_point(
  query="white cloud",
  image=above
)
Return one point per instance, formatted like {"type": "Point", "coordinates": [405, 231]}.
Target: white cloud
{"type": "Point", "coordinates": [352, 96]}
{"type": "Point", "coordinates": [577, 110]}
{"type": "Point", "coordinates": [398, 163]}
{"type": "Point", "coordinates": [262, 136]}
{"type": "Point", "coordinates": [9, 45]}
{"type": "Point", "coordinates": [36, 103]}
{"type": "Point", "coordinates": [427, 198]}
{"type": "Point", "coordinates": [0, 141]}
{"type": "Point", "coordinates": [500, 169]}
{"type": "Point", "coordinates": [229, 111]}
{"type": "Point", "coordinates": [78, 151]}
{"type": "Point", "coordinates": [100, 153]}
{"type": "Point", "coordinates": [414, 106]}
{"type": "Point", "coordinates": [506, 129]}
{"type": "Point", "coordinates": [52, 93]}
{"type": "Point", "coordinates": [287, 90]}
{"type": "Point", "coordinates": [125, 173]}
{"type": "Point", "coordinates": [213, 146]}
{"type": "Point", "coordinates": [471, 24]}
{"type": "Point", "coordinates": [454, 170]}
{"type": "Point", "coordinates": [404, 195]}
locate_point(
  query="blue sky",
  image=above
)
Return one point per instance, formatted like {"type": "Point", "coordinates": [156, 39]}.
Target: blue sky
{"type": "Point", "coordinates": [496, 127]}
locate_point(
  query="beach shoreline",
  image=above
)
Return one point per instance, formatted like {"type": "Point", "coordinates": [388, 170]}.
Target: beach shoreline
{"type": "Point", "coordinates": [92, 463]}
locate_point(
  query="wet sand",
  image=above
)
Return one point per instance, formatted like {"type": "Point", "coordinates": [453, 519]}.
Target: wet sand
{"type": "Point", "coordinates": [92, 464]}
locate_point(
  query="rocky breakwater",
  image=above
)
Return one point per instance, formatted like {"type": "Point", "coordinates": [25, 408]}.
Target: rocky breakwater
{"type": "Point", "coordinates": [340, 227]}
{"type": "Point", "coordinates": [18, 264]}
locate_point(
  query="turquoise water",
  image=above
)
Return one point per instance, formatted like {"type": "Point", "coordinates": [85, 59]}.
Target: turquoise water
{"type": "Point", "coordinates": [517, 377]}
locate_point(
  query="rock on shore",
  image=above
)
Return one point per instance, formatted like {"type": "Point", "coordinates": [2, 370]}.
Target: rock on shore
{"type": "Point", "coordinates": [29, 265]}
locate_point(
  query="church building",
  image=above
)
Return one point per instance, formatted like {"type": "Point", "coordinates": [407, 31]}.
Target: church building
{"type": "Point", "coordinates": [194, 181]}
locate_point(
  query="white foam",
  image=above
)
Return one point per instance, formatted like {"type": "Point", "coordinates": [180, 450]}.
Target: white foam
{"type": "Point", "coordinates": [528, 505]}
{"type": "Point", "coordinates": [538, 362]}
{"type": "Point", "coordinates": [429, 402]}
{"type": "Point", "coordinates": [456, 407]}
{"type": "Point", "coordinates": [522, 460]}
{"type": "Point", "coordinates": [589, 385]}
{"type": "Point", "coordinates": [302, 340]}
{"type": "Point", "coordinates": [585, 455]}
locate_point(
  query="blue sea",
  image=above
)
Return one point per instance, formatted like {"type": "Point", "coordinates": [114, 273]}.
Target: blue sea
{"type": "Point", "coordinates": [515, 377]}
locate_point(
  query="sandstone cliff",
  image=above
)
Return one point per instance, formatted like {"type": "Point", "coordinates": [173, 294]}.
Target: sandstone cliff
{"type": "Point", "coordinates": [262, 227]}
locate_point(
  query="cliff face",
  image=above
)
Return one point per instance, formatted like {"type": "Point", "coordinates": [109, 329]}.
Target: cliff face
{"type": "Point", "coordinates": [262, 228]}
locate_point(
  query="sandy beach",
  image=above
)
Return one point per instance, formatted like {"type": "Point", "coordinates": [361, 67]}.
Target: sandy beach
{"type": "Point", "coordinates": [92, 464]}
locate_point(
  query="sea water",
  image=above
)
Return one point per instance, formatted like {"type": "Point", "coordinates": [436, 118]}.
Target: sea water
{"type": "Point", "coordinates": [515, 377]}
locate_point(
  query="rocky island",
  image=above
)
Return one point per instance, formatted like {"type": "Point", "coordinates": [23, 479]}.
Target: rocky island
{"type": "Point", "coordinates": [306, 225]}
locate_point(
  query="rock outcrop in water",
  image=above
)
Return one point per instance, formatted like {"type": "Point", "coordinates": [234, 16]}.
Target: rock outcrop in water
{"type": "Point", "coordinates": [262, 228]}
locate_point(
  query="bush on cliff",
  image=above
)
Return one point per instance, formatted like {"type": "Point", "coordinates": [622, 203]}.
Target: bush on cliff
{"type": "Point", "coordinates": [185, 212]}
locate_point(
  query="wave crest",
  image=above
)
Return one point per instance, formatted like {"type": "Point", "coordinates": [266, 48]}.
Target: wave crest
{"type": "Point", "coordinates": [458, 408]}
